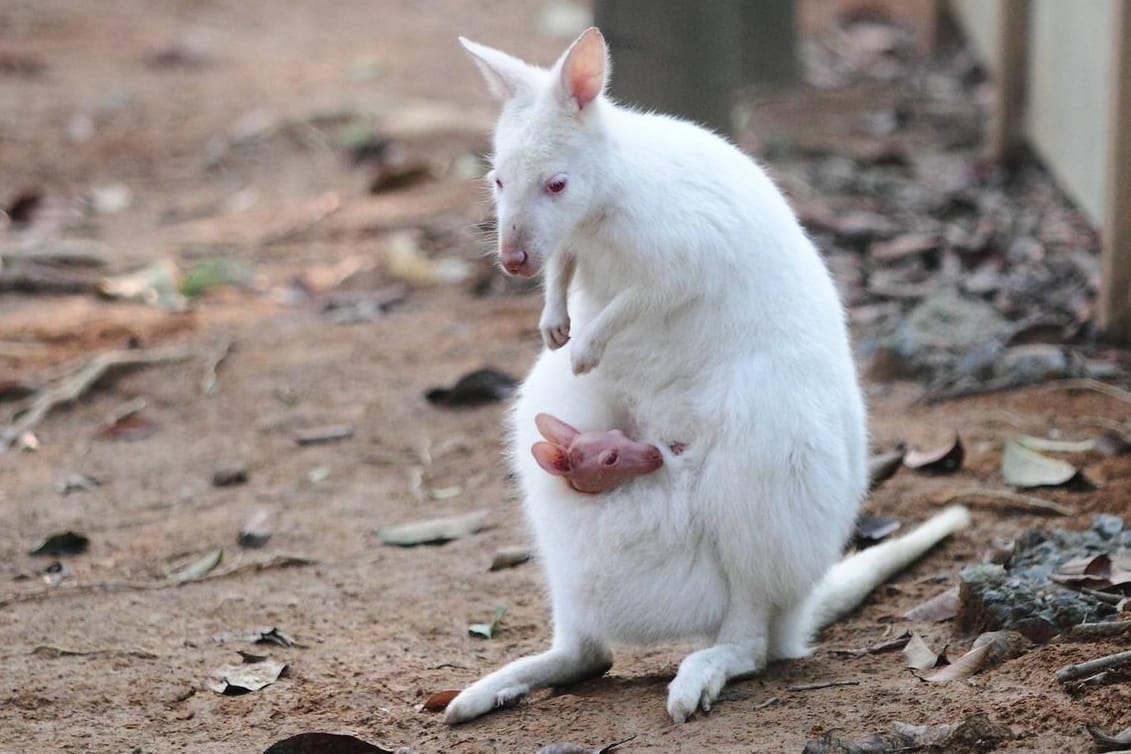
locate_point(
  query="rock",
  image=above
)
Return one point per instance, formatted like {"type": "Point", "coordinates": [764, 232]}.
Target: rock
{"type": "Point", "coordinates": [1021, 595]}
{"type": "Point", "coordinates": [230, 476]}
{"type": "Point", "coordinates": [1035, 362]}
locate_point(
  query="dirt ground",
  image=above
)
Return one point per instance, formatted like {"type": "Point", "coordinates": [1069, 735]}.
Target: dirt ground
{"type": "Point", "coordinates": [162, 97]}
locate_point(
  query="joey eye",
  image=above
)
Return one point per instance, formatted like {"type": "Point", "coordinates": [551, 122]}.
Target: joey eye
{"type": "Point", "coordinates": [557, 184]}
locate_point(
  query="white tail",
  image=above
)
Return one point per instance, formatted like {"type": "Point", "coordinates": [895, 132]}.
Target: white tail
{"type": "Point", "coordinates": [851, 580]}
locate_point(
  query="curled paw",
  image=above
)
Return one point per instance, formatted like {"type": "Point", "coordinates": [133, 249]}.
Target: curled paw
{"type": "Point", "coordinates": [555, 331]}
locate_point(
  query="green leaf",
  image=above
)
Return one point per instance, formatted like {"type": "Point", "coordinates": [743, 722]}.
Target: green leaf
{"type": "Point", "coordinates": [198, 568]}
{"type": "Point", "coordinates": [487, 630]}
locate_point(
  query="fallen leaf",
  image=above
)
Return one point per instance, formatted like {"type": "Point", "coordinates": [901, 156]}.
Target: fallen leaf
{"type": "Point", "coordinates": [919, 656]}
{"type": "Point", "coordinates": [1112, 443]}
{"type": "Point", "coordinates": [962, 668]}
{"type": "Point", "coordinates": [255, 530]}
{"type": "Point", "coordinates": [509, 557]}
{"type": "Point", "coordinates": [900, 247]}
{"type": "Point", "coordinates": [230, 475]}
{"type": "Point", "coordinates": [1026, 468]}
{"type": "Point", "coordinates": [975, 733]}
{"type": "Point", "coordinates": [439, 701]}
{"type": "Point", "coordinates": [274, 636]}
{"type": "Point", "coordinates": [1102, 572]}
{"type": "Point", "coordinates": [571, 748]}
{"type": "Point", "coordinates": [883, 466]}
{"type": "Point", "coordinates": [1004, 645]}
{"type": "Point", "coordinates": [198, 568]}
{"type": "Point", "coordinates": [405, 261]}
{"type": "Point", "coordinates": [324, 743]}
{"type": "Point", "coordinates": [1105, 742]}
{"type": "Point", "coordinates": [474, 389]}
{"type": "Point", "coordinates": [156, 285]}
{"type": "Point", "coordinates": [207, 275]}
{"type": "Point", "coordinates": [871, 529]}
{"type": "Point", "coordinates": [445, 493]}
{"type": "Point", "coordinates": [943, 459]}
{"type": "Point", "coordinates": [1055, 446]}
{"type": "Point", "coordinates": [320, 435]}
{"type": "Point", "coordinates": [941, 607]}
{"type": "Point", "coordinates": [487, 630]}
{"type": "Point", "coordinates": [233, 680]}
{"type": "Point", "coordinates": [129, 428]}
{"type": "Point", "coordinates": [66, 543]}
{"type": "Point", "coordinates": [77, 483]}
{"type": "Point", "coordinates": [434, 530]}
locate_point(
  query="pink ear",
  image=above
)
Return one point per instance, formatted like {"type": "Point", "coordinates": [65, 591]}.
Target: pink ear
{"type": "Point", "coordinates": [585, 68]}
{"type": "Point", "coordinates": [555, 430]}
{"type": "Point", "coordinates": [551, 458]}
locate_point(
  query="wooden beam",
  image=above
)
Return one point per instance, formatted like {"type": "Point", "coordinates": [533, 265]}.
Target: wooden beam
{"type": "Point", "coordinates": [1115, 258]}
{"type": "Point", "coordinates": [1006, 134]}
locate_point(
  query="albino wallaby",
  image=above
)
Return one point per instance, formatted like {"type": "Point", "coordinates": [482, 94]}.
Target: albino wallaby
{"type": "Point", "coordinates": [700, 317]}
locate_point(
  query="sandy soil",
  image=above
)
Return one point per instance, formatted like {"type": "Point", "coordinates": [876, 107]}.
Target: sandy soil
{"type": "Point", "coordinates": [382, 627]}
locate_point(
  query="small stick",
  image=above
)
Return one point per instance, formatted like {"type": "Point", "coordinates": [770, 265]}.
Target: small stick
{"type": "Point", "coordinates": [72, 387]}
{"type": "Point", "coordinates": [1027, 502]}
{"type": "Point", "coordinates": [324, 206]}
{"type": "Point", "coordinates": [821, 685]}
{"type": "Point", "coordinates": [1091, 667]}
{"type": "Point", "coordinates": [1096, 631]}
{"type": "Point", "coordinates": [1086, 383]}
{"type": "Point", "coordinates": [767, 703]}
{"type": "Point", "coordinates": [208, 384]}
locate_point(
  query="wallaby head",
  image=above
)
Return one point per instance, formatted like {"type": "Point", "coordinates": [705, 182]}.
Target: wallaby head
{"type": "Point", "coordinates": [548, 147]}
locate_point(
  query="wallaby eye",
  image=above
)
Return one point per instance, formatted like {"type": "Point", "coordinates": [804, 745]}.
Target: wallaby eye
{"type": "Point", "coordinates": [557, 184]}
{"type": "Point", "coordinates": [499, 184]}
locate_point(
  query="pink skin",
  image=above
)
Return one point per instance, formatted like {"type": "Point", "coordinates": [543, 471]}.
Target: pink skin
{"type": "Point", "coordinates": [593, 461]}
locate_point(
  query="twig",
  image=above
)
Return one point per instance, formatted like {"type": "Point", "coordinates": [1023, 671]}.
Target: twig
{"type": "Point", "coordinates": [987, 387]}
{"type": "Point", "coordinates": [70, 388]}
{"type": "Point", "coordinates": [762, 705]}
{"type": "Point", "coordinates": [821, 685]}
{"type": "Point", "coordinates": [1026, 502]}
{"type": "Point", "coordinates": [208, 384]}
{"type": "Point", "coordinates": [1097, 631]}
{"type": "Point", "coordinates": [52, 652]}
{"type": "Point", "coordinates": [1086, 383]}
{"type": "Point", "coordinates": [277, 561]}
{"type": "Point", "coordinates": [1091, 667]}
{"type": "Point", "coordinates": [325, 206]}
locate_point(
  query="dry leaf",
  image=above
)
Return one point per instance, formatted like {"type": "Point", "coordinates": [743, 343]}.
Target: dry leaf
{"type": "Point", "coordinates": [233, 680]}
{"type": "Point", "coordinates": [198, 568]}
{"type": "Point", "coordinates": [487, 630]}
{"type": "Point", "coordinates": [962, 668]}
{"type": "Point", "coordinates": [509, 557]}
{"type": "Point", "coordinates": [1103, 572]}
{"type": "Point", "coordinates": [324, 743]}
{"type": "Point", "coordinates": [975, 733]}
{"type": "Point", "coordinates": [883, 466]}
{"type": "Point", "coordinates": [1055, 446]}
{"type": "Point", "coordinates": [1026, 468]}
{"type": "Point", "coordinates": [439, 701]}
{"type": "Point", "coordinates": [943, 459]}
{"type": "Point", "coordinates": [433, 531]}
{"type": "Point", "coordinates": [919, 656]}
{"type": "Point", "coordinates": [941, 607]}
{"type": "Point", "coordinates": [66, 543]}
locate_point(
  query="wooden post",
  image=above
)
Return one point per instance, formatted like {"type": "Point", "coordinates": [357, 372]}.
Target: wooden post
{"type": "Point", "coordinates": [1005, 136]}
{"type": "Point", "coordinates": [1115, 258]}
{"type": "Point", "coordinates": [768, 47]}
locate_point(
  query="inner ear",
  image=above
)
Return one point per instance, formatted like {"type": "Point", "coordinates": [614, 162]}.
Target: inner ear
{"type": "Point", "coordinates": [585, 68]}
{"type": "Point", "coordinates": [555, 430]}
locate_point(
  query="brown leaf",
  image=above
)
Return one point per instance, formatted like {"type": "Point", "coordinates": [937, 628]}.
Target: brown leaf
{"type": "Point", "coordinates": [439, 701]}
{"type": "Point", "coordinates": [919, 656]}
{"type": "Point", "coordinates": [943, 459]}
{"type": "Point", "coordinates": [962, 668]}
{"type": "Point", "coordinates": [1103, 572]}
{"type": "Point", "coordinates": [941, 607]}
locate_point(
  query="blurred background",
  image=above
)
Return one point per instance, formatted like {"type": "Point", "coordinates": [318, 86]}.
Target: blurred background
{"type": "Point", "coordinates": [246, 258]}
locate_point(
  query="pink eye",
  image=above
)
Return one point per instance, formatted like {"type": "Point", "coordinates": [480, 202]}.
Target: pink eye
{"type": "Point", "coordinates": [556, 185]}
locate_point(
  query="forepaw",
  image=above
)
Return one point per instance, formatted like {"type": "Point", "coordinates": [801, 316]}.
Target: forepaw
{"type": "Point", "coordinates": [555, 330]}
{"type": "Point", "coordinates": [585, 355]}
{"type": "Point", "coordinates": [473, 702]}
{"type": "Point", "coordinates": [696, 687]}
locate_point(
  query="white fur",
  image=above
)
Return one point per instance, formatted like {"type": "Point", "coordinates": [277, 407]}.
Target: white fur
{"type": "Point", "coordinates": [699, 313]}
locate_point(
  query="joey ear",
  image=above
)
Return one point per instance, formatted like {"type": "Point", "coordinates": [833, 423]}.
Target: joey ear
{"type": "Point", "coordinates": [555, 430]}
{"type": "Point", "coordinates": [505, 74]}
{"type": "Point", "coordinates": [551, 458]}
{"type": "Point", "coordinates": [584, 69]}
